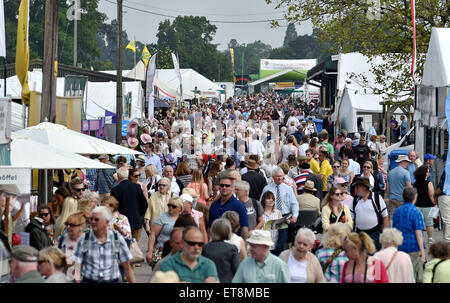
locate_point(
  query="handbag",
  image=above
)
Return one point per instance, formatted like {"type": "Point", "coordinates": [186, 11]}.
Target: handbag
{"type": "Point", "coordinates": [136, 252]}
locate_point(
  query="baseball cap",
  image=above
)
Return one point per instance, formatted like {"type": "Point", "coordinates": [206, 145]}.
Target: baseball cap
{"type": "Point", "coordinates": [429, 157]}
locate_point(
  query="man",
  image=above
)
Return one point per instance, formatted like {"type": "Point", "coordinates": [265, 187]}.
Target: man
{"type": "Point", "coordinates": [300, 179]}
{"type": "Point", "coordinates": [104, 180]}
{"type": "Point", "coordinates": [157, 204]}
{"type": "Point", "coordinates": [262, 266]}
{"type": "Point", "coordinates": [303, 147]}
{"type": "Point", "coordinates": [188, 263]}
{"type": "Point", "coordinates": [24, 264]}
{"type": "Point", "coordinates": [132, 202]}
{"type": "Point", "coordinates": [338, 145]}
{"type": "Point", "coordinates": [348, 144]}
{"type": "Point", "coordinates": [285, 202]}
{"type": "Point", "coordinates": [373, 129]}
{"type": "Point", "coordinates": [151, 158]}
{"type": "Point", "coordinates": [330, 149]}
{"type": "Point", "coordinates": [307, 200]}
{"type": "Point", "coordinates": [409, 220]}
{"type": "Point", "coordinates": [176, 243]}
{"type": "Point", "coordinates": [403, 126]}
{"type": "Point", "coordinates": [352, 164]}
{"type": "Point", "coordinates": [176, 186]}
{"type": "Point", "coordinates": [206, 147]}
{"type": "Point", "coordinates": [39, 236]}
{"type": "Point", "coordinates": [295, 171]}
{"type": "Point", "coordinates": [369, 212]}
{"type": "Point", "coordinates": [362, 152]}
{"type": "Point", "coordinates": [397, 179]}
{"type": "Point", "coordinates": [256, 147]}
{"type": "Point", "coordinates": [256, 180]}
{"type": "Point", "coordinates": [228, 201]}
{"type": "Point", "coordinates": [77, 188]}
{"type": "Point", "coordinates": [429, 161]}
{"type": "Point", "coordinates": [254, 208]}
{"type": "Point", "coordinates": [312, 162]}
{"type": "Point", "coordinates": [100, 251]}
{"type": "Point", "coordinates": [412, 166]}
{"type": "Point", "coordinates": [325, 169]}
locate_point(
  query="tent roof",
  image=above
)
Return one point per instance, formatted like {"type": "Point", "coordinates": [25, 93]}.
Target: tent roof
{"type": "Point", "coordinates": [273, 76]}
{"type": "Point", "coordinates": [436, 70]}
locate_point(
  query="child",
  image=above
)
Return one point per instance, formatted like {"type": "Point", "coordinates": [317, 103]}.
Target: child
{"type": "Point", "coordinates": [270, 213]}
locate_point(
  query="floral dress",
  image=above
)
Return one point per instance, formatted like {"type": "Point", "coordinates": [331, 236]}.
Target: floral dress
{"type": "Point", "coordinates": [124, 224]}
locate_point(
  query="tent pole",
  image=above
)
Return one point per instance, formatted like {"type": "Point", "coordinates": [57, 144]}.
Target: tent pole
{"type": "Point", "coordinates": [46, 187]}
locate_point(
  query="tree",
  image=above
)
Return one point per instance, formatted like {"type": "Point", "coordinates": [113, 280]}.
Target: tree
{"type": "Point", "coordinates": [291, 34]}
{"type": "Point", "coordinates": [348, 27]}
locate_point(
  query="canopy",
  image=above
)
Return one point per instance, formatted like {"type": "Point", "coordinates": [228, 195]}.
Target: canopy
{"type": "Point", "coordinates": [436, 70]}
{"type": "Point", "coordinates": [59, 136]}
{"type": "Point", "coordinates": [29, 153]}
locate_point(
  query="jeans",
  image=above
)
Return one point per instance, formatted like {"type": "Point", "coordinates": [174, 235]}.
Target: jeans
{"type": "Point", "coordinates": [282, 240]}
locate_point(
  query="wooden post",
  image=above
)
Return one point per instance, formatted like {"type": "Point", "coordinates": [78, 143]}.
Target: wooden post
{"type": "Point", "coordinates": [119, 109]}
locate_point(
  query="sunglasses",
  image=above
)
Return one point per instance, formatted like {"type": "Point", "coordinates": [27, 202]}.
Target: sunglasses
{"type": "Point", "coordinates": [225, 185]}
{"type": "Point", "coordinates": [79, 189]}
{"type": "Point", "coordinates": [171, 206]}
{"type": "Point", "coordinates": [43, 215]}
{"type": "Point", "coordinates": [42, 261]}
{"type": "Point", "coordinates": [71, 224]}
{"type": "Point", "coordinates": [338, 194]}
{"type": "Point", "coordinates": [336, 167]}
{"type": "Point", "coordinates": [192, 243]}
{"type": "Point", "coordinates": [94, 219]}
{"type": "Point", "coordinates": [137, 176]}
{"type": "Point", "coordinates": [162, 185]}
{"type": "Point", "coordinates": [367, 166]}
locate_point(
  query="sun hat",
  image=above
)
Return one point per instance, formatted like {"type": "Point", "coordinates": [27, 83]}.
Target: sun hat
{"type": "Point", "coordinates": [165, 277]}
{"type": "Point", "coordinates": [402, 158]}
{"type": "Point", "coordinates": [140, 158]}
{"type": "Point", "coordinates": [146, 138]}
{"type": "Point", "coordinates": [252, 164]}
{"type": "Point", "coordinates": [186, 198]}
{"type": "Point", "coordinates": [132, 142]}
{"type": "Point", "coordinates": [260, 237]}
{"type": "Point", "coordinates": [362, 181]}
{"type": "Point", "coordinates": [309, 185]}
{"type": "Point", "coordinates": [190, 191]}
{"type": "Point", "coordinates": [340, 180]}
{"type": "Point", "coordinates": [104, 156]}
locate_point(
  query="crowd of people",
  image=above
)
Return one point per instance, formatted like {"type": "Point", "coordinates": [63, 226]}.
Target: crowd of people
{"type": "Point", "coordinates": [250, 191]}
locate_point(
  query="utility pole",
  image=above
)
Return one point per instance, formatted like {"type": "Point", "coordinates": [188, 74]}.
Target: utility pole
{"type": "Point", "coordinates": [75, 42]}
{"type": "Point", "coordinates": [119, 109]}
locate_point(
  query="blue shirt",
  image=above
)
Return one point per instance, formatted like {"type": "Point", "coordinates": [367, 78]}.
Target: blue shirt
{"type": "Point", "coordinates": [397, 179]}
{"type": "Point", "coordinates": [408, 219]}
{"type": "Point", "coordinates": [216, 210]}
{"type": "Point", "coordinates": [155, 160]}
{"type": "Point", "coordinates": [288, 198]}
{"type": "Point", "coordinates": [403, 127]}
{"type": "Point", "coordinates": [412, 168]}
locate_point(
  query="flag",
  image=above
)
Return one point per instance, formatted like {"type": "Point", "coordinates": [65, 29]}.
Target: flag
{"type": "Point", "coordinates": [145, 55]}
{"type": "Point", "coordinates": [176, 66]}
{"type": "Point", "coordinates": [132, 46]}
{"type": "Point", "coordinates": [413, 14]}
{"type": "Point", "coordinates": [232, 63]}
{"type": "Point", "coordinates": [149, 97]}
{"type": "Point", "coordinates": [22, 50]}
{"type": "Point", "coordinates": [2, 31]}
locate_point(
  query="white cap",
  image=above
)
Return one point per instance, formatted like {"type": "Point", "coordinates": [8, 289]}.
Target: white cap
{"type": "Point", "coordinates": [186, 198]}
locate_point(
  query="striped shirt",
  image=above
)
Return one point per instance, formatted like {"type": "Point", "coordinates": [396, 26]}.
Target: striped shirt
{"type": "Point", "coordinates": [100, 262]}
{"type": "Point", "coordinates": [300, 181]}
{"type": "Point", "coordinates": [333, 273]}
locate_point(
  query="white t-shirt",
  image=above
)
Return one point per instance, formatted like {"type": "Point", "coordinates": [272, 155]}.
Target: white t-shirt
{"type": "Point", "coordinates": [297, 270]}
{"type": "Point", "coordinates": [366, 216]}
{"type": "Point", "coordinates": [255, 147]}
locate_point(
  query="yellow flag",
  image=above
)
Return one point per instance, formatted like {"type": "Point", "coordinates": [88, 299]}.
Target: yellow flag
{"type": "Point", "coordinates": [23, 51]}
{"type": "Point", "coordinates": [232, 63]}
{"type": "Point", "coordinates": [132, 46]}
{"type": "Point", "coordinates": [145, 55]}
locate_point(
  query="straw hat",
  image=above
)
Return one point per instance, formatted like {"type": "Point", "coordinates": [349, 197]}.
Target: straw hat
{"type": "Point", "coordinates": [190, 191]}
{"type": "Point", "coordinates": [260, 237]}
{"type": "Point", "coordinates": [402, 158]}
{"type": "Point", "coordinates": [309, 185]}
{"type": "Point", "coordinates": [165, 277]}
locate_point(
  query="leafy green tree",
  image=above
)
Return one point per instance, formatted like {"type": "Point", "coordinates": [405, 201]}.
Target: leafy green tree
{"type": "Point", "coordinates": [291, 34]}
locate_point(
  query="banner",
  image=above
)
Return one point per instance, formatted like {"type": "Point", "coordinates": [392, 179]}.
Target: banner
{"type": "Point", "coordinates": [145, 55]}
{"type": "Point", "coordinates": [151, 70]}
{"type": "Point", "coordinates": [22, 50]}
{"type": "Point", "coordinates": [2, 31]}
{"type": "Point", "coordinates": [232, 63]}
{"type": "Point", "coordinates": [447, 161]}
{"type": "Point", "coordinates": [279, 65]}
{"type": "Point", "coordinates": [176, 65]}
{"type": "Point", "coordinates": [5, 120]}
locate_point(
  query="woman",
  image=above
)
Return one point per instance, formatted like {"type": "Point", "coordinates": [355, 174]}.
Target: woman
{"type": "Point", "coordinates": [270, 213]}
{"type": "Point", "coordinates": [425, 198]}
{"type": "Point", "coordinates": [236, 240]}
{"type": "Point", "coordinates": [336, 173]}
{"type": "Point", "coordinates": [51, 264]}
{"type": "Point", "coordinates": [197, 215]}
{"type": "Point", "coordinates": [346, 198]}
{"type": "Point", "coordinates": [133, 176]}
{"type": "Point", "coordinates": [224, 255]}
{"type": "Point", "coordinates": [346, 173]}
{"type": "Point", "coordinates": [197, 183]}
{"type": "Point", "coordinates": [286, 179]}
{"type": "Point", "coordinates": [437, 270]}
{"type": "Point", "coordinates": [216, 167]}
{"type": "Point", "coordinates": [151, 172]}
{"type": "Point", "coordinates": [398, 263]}
{"type": "Point", "coordinates": [332, 256]}
{"type": "Point", "coordinates": [380, 163]}
{"type": "Point", "coordinates": [290, 148]}
{"type": "Point", "coordinates": [92, 197]}
{"type": "Point", "coordinates": [183, 173]}
{"type": "Point", "coordinates": [382, 145]}
{"type": "Point", "coordinates": [161, 229]}
{"type": "Point", "coordinates": [372, 144]}
{"type": "Point", "coordinates": [46, 214]}
{"type": "Point", "coordinates": [68, 207]}
{"type": "Point", "coordinates": [313, 145]}
{"type": "Point", "coordinates": [333, 210]}
{"type": "Point", "coordinates": [303, 265]}
{"type": "Point", "coordinates": [118, 222]}
{"type": "Point", "coordinates": [67, 242]}
{"type": "Point", "coordinates": [368, 173]}
{"type": "Point", "coordinates": [362, 268]}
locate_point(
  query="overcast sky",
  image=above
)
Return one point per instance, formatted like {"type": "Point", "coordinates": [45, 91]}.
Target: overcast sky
{"type": "Point", "coordinates": [144, 26]}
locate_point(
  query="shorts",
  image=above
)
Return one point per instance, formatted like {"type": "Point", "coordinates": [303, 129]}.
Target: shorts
{"type": "Point", "coordinates": [427, 220]}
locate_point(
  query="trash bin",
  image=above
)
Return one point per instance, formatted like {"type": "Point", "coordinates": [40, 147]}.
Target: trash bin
{"type": "Point", "coordinates": [394, 156]}
{"type": "Point", "coordinates": [319, 125]}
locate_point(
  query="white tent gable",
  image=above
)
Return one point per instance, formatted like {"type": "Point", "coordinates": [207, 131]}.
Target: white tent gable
{"type": "Point", "coordinates": [436, 70]}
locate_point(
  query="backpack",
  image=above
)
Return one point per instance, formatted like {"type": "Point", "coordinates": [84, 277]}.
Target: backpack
{"type": "Point", "coordinates": [375, 205]}
{"type": "Point", "coordinates": [208, 166]}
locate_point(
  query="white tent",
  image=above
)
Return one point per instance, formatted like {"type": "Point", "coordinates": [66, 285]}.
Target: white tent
{"type": "Point", "coordinates": [436, 70]}
{"type": "Point", "coordinates": [59, 136]}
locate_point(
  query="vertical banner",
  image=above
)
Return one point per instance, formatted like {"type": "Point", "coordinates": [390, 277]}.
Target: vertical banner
{"type": "Point", "coordinates": [232, 63]}
{"type": "Point", "coordinates": [413, 15]}
{"type": "Point", "coordinates": [149, 97]}
{"type": "Point", "coordinates": [2, 31]}
{"type": "Point", "coordinates": [176, 66]}
{"type": "Point", "coordinates": [23, 51]}
{"type": "Point", "coordinates": [447, 163]}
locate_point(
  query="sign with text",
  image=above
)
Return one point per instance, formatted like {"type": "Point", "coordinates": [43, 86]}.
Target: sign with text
{"type": "Point", "coordinates": [21, 177]}
{"type": "Point", "coordinates": [5, 120]}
